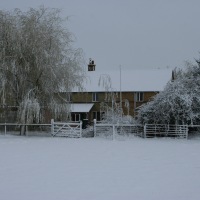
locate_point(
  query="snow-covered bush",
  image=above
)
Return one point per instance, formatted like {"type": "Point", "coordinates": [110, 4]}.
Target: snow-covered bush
{"type": "Point", "coordinates": [112, 114]}
{"type": "Point", "coordinates": [179, 102]}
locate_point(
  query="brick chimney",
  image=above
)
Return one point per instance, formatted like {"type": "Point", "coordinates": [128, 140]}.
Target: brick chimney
{"type": "Point", "coordinates": [91, 65]}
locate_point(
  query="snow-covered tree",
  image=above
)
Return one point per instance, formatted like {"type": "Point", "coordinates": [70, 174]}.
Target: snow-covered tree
{"type": "Point", "coordinates": [179, 102]}
{"type": "Point", "coordinates": [37, 61]}
{"type": "Point", "coordinates": [111, 108]}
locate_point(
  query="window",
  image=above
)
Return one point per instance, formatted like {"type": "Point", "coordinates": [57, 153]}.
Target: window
{"type": "Point", "coordinates": [139, 96]}
{"type": "Point", "coordinates": [95, 96]}
{"type": "Point", "coordinates": [75, 117]}
{"type": "Point", "coordinates": [96, 115]}
{"type": "Point", "coordinates": [69, 98]}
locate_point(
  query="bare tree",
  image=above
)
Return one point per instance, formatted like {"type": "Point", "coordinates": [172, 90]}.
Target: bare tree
{"type": "Point", "coordinates": [37, 62]}
{"type": "Point", "coordinates": [111, 109]}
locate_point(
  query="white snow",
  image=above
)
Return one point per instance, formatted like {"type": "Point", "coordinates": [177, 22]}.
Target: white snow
{"type": "Point", "coordinates": [81, 107]}
{"type": "Point", "coordinates": [131, 80]}
{"type": "Point", "coordinates": [35, 168]}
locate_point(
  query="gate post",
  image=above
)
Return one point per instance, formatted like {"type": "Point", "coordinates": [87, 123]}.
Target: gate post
{"type": "Point", "coordinates": [145, 129]}
{"type": "Point", "coordinates": [186, 131]}
{"type": "Point", "coordinates": [94, 127]}
{"type": "Point", "coordinates": [52, 126]}
{"type": "Point", "coordinates": [81, 128]}
{"type": "Point", "coordinates": [113, 131]}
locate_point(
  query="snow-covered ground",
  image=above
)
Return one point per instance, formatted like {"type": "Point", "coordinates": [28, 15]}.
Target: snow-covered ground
{"type": "Point", "coordinates": [36, 168]}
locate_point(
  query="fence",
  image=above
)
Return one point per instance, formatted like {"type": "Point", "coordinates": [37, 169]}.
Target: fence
{"type": "Point", "coordinates": [146, 131]}
{"type": "Point", "coordinates": [106, 130]}
{"type": "Point", "coordinates": [112, 130]}
{"type": "Point", "coordinates": [53, 129]}
{"type": "Point", "coordinates": [25, 129]}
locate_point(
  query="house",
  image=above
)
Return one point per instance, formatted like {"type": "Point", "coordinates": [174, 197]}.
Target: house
{"type": "Point", "coordinates": [128, 86]}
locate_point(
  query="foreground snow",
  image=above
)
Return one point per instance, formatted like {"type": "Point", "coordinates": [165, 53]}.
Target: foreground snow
{"type": "Point", "coordinates": [33, 168]}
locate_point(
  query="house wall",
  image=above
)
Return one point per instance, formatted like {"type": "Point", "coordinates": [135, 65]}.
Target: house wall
{"type": "Point", "coordinates": [86, 97]}
{"type": "Point", "coordinates": [10, 114]}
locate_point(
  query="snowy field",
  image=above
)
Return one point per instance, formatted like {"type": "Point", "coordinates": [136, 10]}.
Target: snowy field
{"type": "Point", "coordinates": [42, 168]}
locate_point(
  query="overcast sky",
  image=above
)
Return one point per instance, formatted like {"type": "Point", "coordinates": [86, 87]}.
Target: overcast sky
{"type": "Point", "coordinates": [131, 33]}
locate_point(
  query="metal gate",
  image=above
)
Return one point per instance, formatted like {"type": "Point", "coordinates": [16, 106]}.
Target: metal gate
{"type": "Point", "coordinates": [72, 130]}
{"type": "Point", "coordinates": [166, 130]}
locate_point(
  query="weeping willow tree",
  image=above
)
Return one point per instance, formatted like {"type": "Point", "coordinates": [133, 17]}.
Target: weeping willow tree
{"type": "Point", "coordinates": [37, 62]}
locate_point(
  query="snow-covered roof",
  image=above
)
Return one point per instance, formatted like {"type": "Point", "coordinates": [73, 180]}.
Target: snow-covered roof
{"type": "Point", "coordinates": [131, 80]}
{"type": "Point", "coordinates": [81, 107]}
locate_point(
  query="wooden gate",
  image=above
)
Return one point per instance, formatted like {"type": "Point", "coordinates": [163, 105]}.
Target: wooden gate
{"type": "Point", "coordinates": [72, 130]}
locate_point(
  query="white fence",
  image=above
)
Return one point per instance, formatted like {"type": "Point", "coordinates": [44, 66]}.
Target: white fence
{"type": "Point", "coordinates": [112, 130]}
{"type": "Point", "coordinates": [105, 130]}
{"type": "Point", "coordinates": [53, 129]}
{"type": "Point", "coordinates": [146, 131]}
{"type": "Point", "coordinates": [25, 129]}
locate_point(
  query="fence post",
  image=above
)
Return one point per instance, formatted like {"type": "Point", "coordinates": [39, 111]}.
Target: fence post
{"type": "Point", "coordinates": [5, 129]}
{"type": "Point", "coordinates": [26, 130]}
{"type": "Point", "coordinates": [52, 126]}
{"type": "Point", "coordinates": [186, 131]}
{"type": "Point", "coordinates": [81, 128]}
{"type": "Point", "coordinates": [94, 127]}
{"type": "Point", "coordinates": [145, 129]}
{"type": "Point", "coordinates": [113, 131]}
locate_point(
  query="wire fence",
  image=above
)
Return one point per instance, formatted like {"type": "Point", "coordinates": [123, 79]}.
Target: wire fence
{"type": "Point", "coordinates": [25, 129]}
